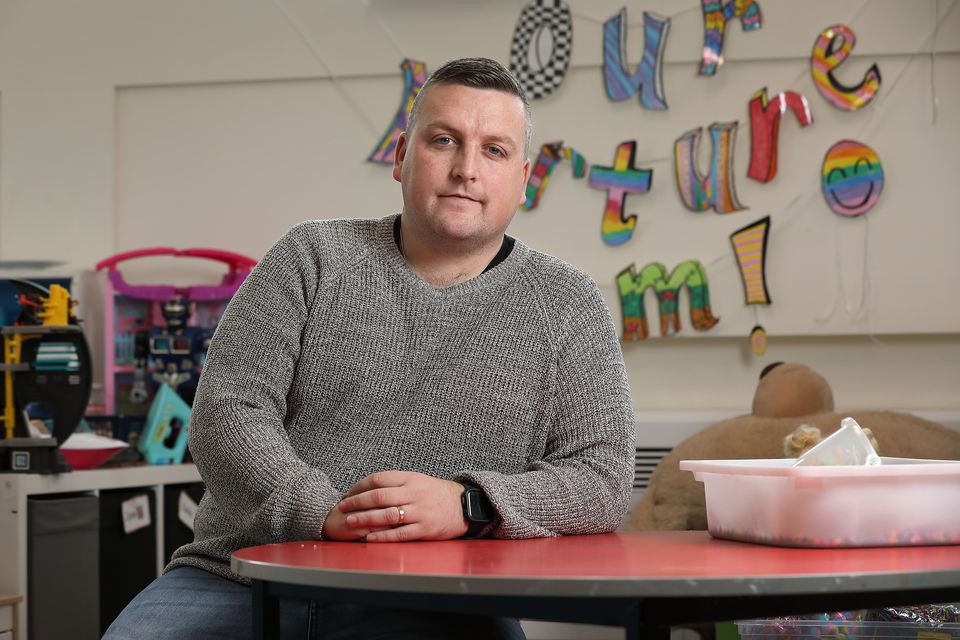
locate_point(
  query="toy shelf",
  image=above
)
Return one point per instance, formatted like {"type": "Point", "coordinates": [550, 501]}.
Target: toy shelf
{"type": "Point", "coordinates": [16, 488]}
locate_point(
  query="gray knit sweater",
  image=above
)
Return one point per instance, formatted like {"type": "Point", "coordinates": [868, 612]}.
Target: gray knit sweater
{"type": "Point", "coordinates": [335, 360]}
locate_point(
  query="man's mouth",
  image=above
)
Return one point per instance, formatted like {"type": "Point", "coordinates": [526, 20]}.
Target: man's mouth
{"type": "Point", "coordinates": [459, 196]}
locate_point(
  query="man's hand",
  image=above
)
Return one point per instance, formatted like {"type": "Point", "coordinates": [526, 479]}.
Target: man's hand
{"type": "Point", "coordinates": [335, 527]}
{"type": "Point", "coordinates": [430, 507]}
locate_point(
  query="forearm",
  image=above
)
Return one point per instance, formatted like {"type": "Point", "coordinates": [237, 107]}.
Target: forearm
{"type": "Point", "coordinates": [574, 496]}
{"type": "Point", "coordinates": [250, 468]}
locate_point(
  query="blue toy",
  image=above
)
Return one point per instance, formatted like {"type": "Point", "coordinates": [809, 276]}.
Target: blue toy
{"type": "Point", "coordinates": [164, 437]}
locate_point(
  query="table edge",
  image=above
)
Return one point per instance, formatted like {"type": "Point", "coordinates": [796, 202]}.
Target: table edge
{"type": "Point", "coordinates": [596, 586]}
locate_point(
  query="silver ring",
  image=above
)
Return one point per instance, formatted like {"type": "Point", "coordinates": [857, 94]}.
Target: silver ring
{"type": "Point", "coordinates": [402, 514]}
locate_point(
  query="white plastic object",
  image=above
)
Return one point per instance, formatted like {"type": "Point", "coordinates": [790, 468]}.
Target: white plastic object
{"type": "Point", "coordinates": [92, 441]}
{"type": "Point", "coordinates": [901, 502]}
{"type": "Point", "coordinates": [847, 445]}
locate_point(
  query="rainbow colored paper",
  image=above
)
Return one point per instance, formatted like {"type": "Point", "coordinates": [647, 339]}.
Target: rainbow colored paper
{"type": "Point", "coordinates": [758, 340]}
{"type": "Point", "coordinates": [716, 189]}
{"type": "Point", "coordinates": [619, 180]}
{"type": "Point", "coordinates": [551, 153]}
{"type": "Point", "coordinates": [414, 75]}
{"type": "Point", "coordinates": [648, 78]}
{"type": "Point", "coordinates": [832, 47]}
{"type": "Point", "coordinates": [765, 116]}
{"type": "Point", "coordinates": [715, 17]}
{"type": "Point", "coordinates": [750, 247]}
{"type": "Point", "coordinates": [632, 285]}
{"type": "Point", "coordinates": [852, 178]}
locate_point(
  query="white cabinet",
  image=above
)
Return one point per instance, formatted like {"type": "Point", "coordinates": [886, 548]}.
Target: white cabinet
{"type": "Point", "coordinates": [16, 488]}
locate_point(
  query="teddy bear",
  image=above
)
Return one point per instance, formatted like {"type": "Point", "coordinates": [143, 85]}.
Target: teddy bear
{"type": "Point", "coordinates": [792, 410]}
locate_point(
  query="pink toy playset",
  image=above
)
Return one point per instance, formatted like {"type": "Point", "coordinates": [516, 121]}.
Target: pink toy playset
{"type": "Point", "coordinates": [158, 334]}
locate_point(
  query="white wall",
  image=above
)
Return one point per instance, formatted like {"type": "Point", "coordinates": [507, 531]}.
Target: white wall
{"type": "Point", "coordinates": [222, 123]}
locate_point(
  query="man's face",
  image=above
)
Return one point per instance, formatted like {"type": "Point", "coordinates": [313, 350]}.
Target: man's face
{"type": "Point", "coordinates": [463, 167]}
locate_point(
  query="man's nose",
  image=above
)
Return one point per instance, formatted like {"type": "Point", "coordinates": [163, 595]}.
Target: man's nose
{"type": "Point", "coordinates": [465, 165]}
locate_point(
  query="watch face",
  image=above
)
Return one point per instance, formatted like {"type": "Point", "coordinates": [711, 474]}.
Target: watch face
{"type": "Point", "coordinates": [476, 506]}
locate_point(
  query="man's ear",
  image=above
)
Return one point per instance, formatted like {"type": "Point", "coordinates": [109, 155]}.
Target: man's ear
{"type": "Point", "coordinates": [526, 176]}
{"type": "Point", "coordinates": [399, 153]}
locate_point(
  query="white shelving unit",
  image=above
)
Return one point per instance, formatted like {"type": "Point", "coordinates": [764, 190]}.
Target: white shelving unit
{"type": "Point", "coordinates": [15, 488]}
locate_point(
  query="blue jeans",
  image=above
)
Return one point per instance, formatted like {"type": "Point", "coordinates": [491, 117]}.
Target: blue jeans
{"type": "Point", "coordinates": [192, 604]}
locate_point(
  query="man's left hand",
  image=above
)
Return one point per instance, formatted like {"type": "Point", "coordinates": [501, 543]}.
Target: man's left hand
{"type": "Point", "coordinates": [416, 506]}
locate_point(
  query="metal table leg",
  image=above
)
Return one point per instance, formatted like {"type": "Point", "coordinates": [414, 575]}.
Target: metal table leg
{"type": "Point", "coordinates": [266, 612]}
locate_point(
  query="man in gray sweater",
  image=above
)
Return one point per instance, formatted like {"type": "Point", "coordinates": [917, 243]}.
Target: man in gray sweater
{"type": "Point", "coordinates": [419, 377]}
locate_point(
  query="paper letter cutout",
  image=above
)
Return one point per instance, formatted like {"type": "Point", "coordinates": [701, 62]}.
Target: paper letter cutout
{"type": "Point", "coordinates": [758, 340]}
{"type": "Point", "coordinates": [648, 78]}
{"type": "Point", "coordinates": [715, 16]}
{"type": "Point", "coordinates": [716, 188]}
{"type": "Point", "coordinates": [632, 287]}
{"type": "Point", "coordinates": [750, 246]}
{"type": "Point", "coordinates": [619, 180]}
{"type": "Point", "coordinates": [541, 47]}
{"type": "Point", "coordinates": [833, 45]}
{"type": "Point", "coordinates": [414, 75]}
{"type": "Point", "coordinates": [550, 154]}
{"type": "Point", "coordinates": [852, 178]}
{"type": "Point", "coordinates": [765, 129]}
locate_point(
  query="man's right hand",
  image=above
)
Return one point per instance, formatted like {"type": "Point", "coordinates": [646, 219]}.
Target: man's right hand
{"type": "Point", "coordinates": [335, 527]}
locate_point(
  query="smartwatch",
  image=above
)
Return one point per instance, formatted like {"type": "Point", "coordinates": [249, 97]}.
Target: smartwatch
{"type": "Point", "coordinates": [477, 510]}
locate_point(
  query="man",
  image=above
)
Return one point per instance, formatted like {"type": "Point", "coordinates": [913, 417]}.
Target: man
{"type": "Point", "coordinates": [423, 376]}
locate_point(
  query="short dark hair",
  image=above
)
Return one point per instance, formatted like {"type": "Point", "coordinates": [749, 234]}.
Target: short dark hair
{"type": "Point", "coordinates": [480, 73]}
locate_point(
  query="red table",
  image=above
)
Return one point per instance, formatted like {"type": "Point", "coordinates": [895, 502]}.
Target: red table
{"type": "Point", "coordinates": [643, 581]}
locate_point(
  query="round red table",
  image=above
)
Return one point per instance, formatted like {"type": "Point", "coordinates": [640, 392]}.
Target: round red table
{"type": "Point", "coordinates": [643, 581]}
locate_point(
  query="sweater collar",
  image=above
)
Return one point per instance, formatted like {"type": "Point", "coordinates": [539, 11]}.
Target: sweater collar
{"type": "Point", "coordinates": [491, 279]}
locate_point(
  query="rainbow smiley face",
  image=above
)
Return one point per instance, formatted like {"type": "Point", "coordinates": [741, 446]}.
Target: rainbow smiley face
{"type": "Point", "coordinates": [852, 178]}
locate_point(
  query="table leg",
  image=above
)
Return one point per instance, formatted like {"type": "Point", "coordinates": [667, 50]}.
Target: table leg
{"type": "Point", "coordinates": [266, 612]}
{"type": "Point", "coordinates": [641, 631]}
{"type": "Point", "coordinates": [645, 624]}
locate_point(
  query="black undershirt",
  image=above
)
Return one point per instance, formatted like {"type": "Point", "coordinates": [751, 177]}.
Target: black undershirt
{"type": "Point", "coordinates": [505, 248]}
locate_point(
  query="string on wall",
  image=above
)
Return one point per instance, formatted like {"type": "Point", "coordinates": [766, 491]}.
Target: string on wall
{"type": "Point", "coordinates": [851, 175]}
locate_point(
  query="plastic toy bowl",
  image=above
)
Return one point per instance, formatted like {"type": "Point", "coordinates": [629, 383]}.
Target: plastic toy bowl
{"type": "Point", "coordinates": [900, 502]}
{"type": "Point", "coordinates": [89, 451]}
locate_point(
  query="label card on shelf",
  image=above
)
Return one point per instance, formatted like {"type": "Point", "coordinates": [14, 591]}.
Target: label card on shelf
{"type": "Point", "coordinates": [136, 513]}
{"type": "Point", "coordinates": [186, 510]}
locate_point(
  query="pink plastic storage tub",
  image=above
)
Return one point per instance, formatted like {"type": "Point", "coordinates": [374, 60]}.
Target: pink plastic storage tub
{"type": "Point", "coordinates": [903, 501]}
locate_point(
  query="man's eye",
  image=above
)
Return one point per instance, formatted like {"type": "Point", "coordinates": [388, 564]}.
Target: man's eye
{"type": "Point", "coordinates": [443, 140]}
{"type": "Point", "coordinates": [496, 151]}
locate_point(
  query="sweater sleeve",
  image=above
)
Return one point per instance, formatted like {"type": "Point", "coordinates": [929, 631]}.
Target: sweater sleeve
{"type": "Point", "coordinates": [583, 482]}
{"type": "Point", "coordinates": [237, 435]}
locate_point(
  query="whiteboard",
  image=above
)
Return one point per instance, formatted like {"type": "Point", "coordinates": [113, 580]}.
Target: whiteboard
{"type": "Point", "coordinates": [234, 163]}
